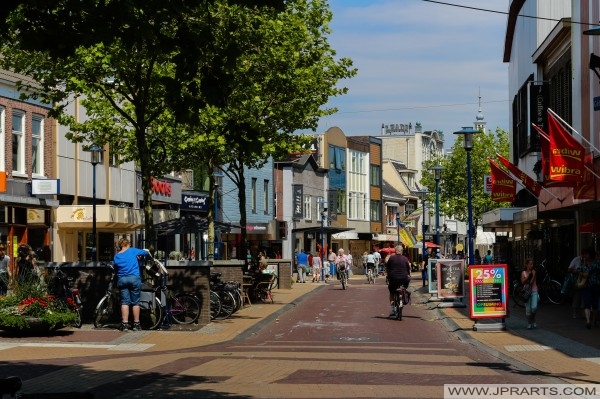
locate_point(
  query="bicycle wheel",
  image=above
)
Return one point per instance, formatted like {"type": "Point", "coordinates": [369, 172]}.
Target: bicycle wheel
{"type": "Point", "coordinates": [215, 305]}
{"type": "Point", "coordinates": [185, 308]}
{"type": "Point", "coordinates": [104, 311]}
{"type": "Point", "coordinates": [552, 290]}
{"type": "Point", "coordinates": [78, 322]}
{"type": "Point", "coordinates": [151, 318]}
{"type": "Point", "coordinates": [399, 306]}
{"type": "Point", "coordinates": [227, 305]}
{"type": "Point", "coordinates": [239, 299]}
{"type": "Point", "coordinates": [516, 294]}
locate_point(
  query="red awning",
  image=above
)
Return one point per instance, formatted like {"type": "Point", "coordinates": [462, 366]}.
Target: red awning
{"type": "Point", "coordinates": [430, 244]}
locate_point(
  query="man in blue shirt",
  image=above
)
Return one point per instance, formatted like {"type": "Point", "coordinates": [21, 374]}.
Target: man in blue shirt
{"type": "Point", "coordinates": [301, 264]}
{"type": "Point", "coordinates": [129, 282]}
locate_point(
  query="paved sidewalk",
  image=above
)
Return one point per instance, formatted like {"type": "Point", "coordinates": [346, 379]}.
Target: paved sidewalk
{"type": "Point", "coordinates": [560, 347]}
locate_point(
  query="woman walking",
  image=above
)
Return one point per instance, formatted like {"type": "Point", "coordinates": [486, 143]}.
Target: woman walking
{"type": "Point", "coordinates": [316, 267]}
{"type": "Point", "coordinates": [528, 276]}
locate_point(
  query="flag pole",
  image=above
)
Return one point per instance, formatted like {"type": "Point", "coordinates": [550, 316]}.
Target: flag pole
{"type": "Point", "coordinates": [574, 131]}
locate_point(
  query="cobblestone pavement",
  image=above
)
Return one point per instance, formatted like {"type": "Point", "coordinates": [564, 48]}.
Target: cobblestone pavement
{"type": "Point", "coordinates": [277, 351]}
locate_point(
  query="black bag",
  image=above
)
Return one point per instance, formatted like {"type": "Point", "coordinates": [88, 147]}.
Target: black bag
{"type": "Point", "coordinates": [525, 292]}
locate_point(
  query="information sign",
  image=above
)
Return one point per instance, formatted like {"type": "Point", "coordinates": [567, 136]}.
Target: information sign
{"type": "Point", "coordinates": [488, 291]}
{"type": "Point", "coordinates": [451, 278]}
{"type": "Point", "coordinates": [432, 276]}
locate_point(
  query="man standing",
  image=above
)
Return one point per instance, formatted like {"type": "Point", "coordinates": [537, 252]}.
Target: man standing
{"type": "Point", "coordinates": [302, 260]}
{"type": "Point", "coordinates": [398, 273]}
{"type": "Point", "coordinates": [331, 258]}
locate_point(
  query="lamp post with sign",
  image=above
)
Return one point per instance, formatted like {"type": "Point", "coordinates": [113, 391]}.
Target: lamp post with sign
{"type": "Point", "coordinates": [96, 158]}
{"type": "Point", "coordinates": [423, 194]}
{"type": "Point", "coordinates": [398, 227]}
{"type": "Point", "coordinates": [468, 133]}
{"type": "Point", "coordinates": [437, 174]}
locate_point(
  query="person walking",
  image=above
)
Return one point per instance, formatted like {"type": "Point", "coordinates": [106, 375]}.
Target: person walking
{"type": "Point", "coordinates": [302, 264]}
{"type": "Point", "coordinates": [587, 281]}
{"type": "Point", "coordinates": [316, 267]}
{"type": "Point", "coordinates": [488, 259]}
{"type": "Point", "coordinates": [129, 282]}
{"type": "Point", "coordinates": [577, 269]}
{"type": "Point", "coordinates": [371, 262]}
{"type": "Point", "coordinates": [528, 276]}
{"type": "Point", "coordinates": [331, 258]}
{"type": "Point", "coordinates": [4, 270]}
{"type": "Point", "coordinates": [364, 261]}
{"type": "Point", "coordinates": [378, 265]}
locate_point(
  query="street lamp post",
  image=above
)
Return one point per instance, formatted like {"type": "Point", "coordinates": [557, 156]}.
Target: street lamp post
{"type": "Point", "coordinates": [423, 194]}
{"type": "Point", "coordinates": [468, 133]}
{"type": "Point", "coordinates": [437, 174]}
{"type": "Point", "coordinates": [96, 158]}
{"type": "Point", "coordinates": [398, 226]}
{"type": "Point", "coordinates": [324, 255]}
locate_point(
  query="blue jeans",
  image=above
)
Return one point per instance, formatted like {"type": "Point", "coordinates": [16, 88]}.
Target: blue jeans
{"type": "Point", "coordinates": [532, 304]}
{"type": "Point", "coordinates": [130, 287]}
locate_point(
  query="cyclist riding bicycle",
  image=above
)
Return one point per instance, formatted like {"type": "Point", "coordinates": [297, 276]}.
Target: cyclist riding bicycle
{"type": "Point", "coordinates": [371, 262]}
{"type": "Point", "coordinates": [398, 274]}
{"type": "Point", "coordinates": [342, 263]}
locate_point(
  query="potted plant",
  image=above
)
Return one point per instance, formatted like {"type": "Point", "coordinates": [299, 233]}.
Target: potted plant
{"type": "Point", "coordinates": [29, 307]}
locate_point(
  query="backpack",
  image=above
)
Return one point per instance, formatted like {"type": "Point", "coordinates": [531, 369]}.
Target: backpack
{"type": "Point", "coordinates": [342, 264]}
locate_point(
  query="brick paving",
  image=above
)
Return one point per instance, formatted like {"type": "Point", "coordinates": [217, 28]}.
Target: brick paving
{"type": "Point", "coordinates": [192, 364]}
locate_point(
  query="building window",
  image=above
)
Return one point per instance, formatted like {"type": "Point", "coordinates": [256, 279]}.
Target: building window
{"type": "Point", "coordinates": [18, 142]}
{"type": "Point", "coordinates": [375, 175]}
{"type": "Point", "coordinates": [320, 206]}
{"type": "Point", "coordinates": [375, 211]}
{"type": "Point", "coordinates": [307, 207]}
{"type": "Point", "coordinates": [37, 146]}
{"type": "Point", "coordinates": [253, 195]}
{"type": "Point", "coordinates": [266, 197]}
{"type": "Point", "coordinates": [391, 212]}
{"type": "Point", "coordinates": [358, 182]}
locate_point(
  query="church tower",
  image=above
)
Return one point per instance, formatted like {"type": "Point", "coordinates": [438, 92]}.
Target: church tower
{"type": "Point", "coordinates": [480, 120]}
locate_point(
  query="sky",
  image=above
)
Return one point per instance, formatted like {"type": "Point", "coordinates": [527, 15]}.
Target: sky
{"type": "Point", "coordinates": [420, 61]}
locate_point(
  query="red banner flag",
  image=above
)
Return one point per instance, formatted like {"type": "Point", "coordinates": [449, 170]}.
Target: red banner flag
{"type": "Point", "coordinates": [566, 161]}
{"type": "Point", "coordinates": [545, 147]}
{"type": "Point", "coordinates": [529, 183]}
{"type": "Point", "coordinates": [587, 189]}
{"type": "Point", "coordinates": [504, 187]}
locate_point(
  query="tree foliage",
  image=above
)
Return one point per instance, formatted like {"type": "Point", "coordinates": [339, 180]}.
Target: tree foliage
{"type": "Point", "coordinates": [453, 183]}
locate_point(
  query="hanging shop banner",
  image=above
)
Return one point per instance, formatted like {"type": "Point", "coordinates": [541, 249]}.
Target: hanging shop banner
{"type": "Point", "coordinates": [432, 275]}
{"type": "Point", "coordinates": [298, 195]}
{"type": "Point", "coordinates": [488, 291]}
{"type": "Point", "coordinates": [451, 278]}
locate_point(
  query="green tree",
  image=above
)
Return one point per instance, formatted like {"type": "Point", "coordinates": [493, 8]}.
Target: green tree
{"type": "Point", "coordinates": [277, 85]}
{"type": "Point", "coordinates": [453, 183]}
{"type": "Point", "coordinates": [127, 68]}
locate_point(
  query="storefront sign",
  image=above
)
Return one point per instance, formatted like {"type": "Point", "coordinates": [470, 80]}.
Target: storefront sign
{"type": "Point", "coordinates": [298, 197]}
{"type": "Point", "coordinates": [451, 278]}
{"type": "Point", "coordinates": [194, 201]}
{"type": "Point", "coordinates": [258, 228]}
{"type": "Point", "coordinates": [45, 186]}
{"type": "Point", "coordinates": [161, 187]}
{"type": "Point", "coordinates": [35, 216]}
{"type": "Point", "coordinates": [488, 291]}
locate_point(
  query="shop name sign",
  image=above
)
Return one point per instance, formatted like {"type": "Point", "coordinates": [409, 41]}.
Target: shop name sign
{"type": "Point", "coordinates": [161, 187]}
{"type": "Point", "coordinates": [194, 201]}
{"type": "Point", "coordinates": [45, 186]}
{"type": "Point", "coordinates": [257, 228]}
{"type": "Point", "coordinates": [397, 128]}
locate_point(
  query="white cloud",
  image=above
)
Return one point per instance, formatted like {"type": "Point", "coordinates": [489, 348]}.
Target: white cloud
{"type": "Point", "coordinates": [420, 62]}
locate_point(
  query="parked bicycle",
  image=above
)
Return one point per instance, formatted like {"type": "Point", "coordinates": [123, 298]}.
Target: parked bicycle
{"type": "Point", "coordinates": [549, 289]}
{"type": "Point", "coordinates": [60, 286]}
{"type": "Point", "coordinates": [158, 305]}
{"type": "Point", "coordinates": [227, 294]}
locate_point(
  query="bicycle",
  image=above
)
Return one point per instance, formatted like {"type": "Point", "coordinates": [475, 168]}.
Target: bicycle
{"type": "Point", "coordinates": [61, 287]}
{"type": "Point", "coordinates": [343, 278]}
{"type": "Point", "coordinates": [548, 289]}
{"type": "Point", "coordinates": [401, 298]}
{"type": "Point", "coordinates": [370, 276]}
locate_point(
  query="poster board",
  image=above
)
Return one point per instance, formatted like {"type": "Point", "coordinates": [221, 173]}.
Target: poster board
{"type": "Point", "coordinates": [432, 276]}
{"type": "Point", "coordinates": [488, 288]}
{"type": "Point", "coordinates": [451, 278]}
